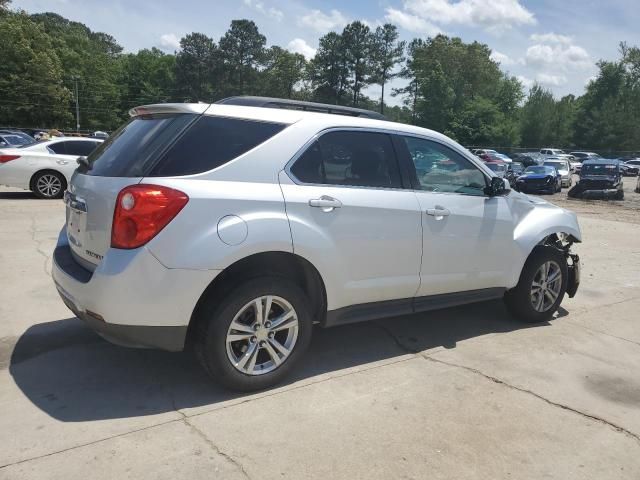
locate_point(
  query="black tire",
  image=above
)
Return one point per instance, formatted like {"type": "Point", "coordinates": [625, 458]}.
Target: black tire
{"type": "Point", "coordinates": [518, 299]}
{"type": "Point", "coordinates": [619, 195]}
{"type": "Point", "coordinates": [215, 316]}
{"type": "Point", "coordinates": [45, 189]}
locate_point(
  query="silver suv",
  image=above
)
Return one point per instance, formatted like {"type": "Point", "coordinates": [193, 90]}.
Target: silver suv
{"type": "Point", "coordinates": [235, 227]}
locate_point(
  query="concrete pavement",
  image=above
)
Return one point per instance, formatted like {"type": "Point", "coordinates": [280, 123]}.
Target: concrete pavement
{"type": "Point", "coordinates": [462, 393]}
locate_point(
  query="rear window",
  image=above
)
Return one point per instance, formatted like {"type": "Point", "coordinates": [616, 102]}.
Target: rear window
{"type": "Point", "coordinates": [211, 142]}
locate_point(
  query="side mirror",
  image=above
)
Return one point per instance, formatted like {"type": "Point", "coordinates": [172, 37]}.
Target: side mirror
{"type": "Point", "coordinates": [497, 186]}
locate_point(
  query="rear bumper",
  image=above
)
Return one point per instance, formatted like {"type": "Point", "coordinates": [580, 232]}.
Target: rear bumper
{"type": "Point", "coordinates": [130, 298]}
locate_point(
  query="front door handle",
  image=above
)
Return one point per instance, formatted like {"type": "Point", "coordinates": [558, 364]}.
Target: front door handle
{"type": "Point", "coordinates": [326, 203]}
{"type": "Point", "coordinates": [438, 212]}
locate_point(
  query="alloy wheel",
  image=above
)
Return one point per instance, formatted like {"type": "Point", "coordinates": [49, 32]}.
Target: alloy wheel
{"type": "Point", "coordinates": [546, 286]}
{"type": "Point", "coordinates": [262, 335]}
{"type": "Point", "coordinates": [49, 185]}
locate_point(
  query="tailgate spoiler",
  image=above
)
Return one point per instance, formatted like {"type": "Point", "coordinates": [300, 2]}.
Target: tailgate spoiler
{"type": "Point", "coordinates": [198, 108]}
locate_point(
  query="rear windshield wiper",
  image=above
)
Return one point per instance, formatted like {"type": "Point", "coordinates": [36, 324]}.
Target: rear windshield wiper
{"type": "Point", "coordinates": [83, 162]}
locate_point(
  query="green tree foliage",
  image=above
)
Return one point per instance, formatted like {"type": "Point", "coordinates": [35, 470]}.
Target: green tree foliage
{"type": "Point", "coordinates": [450, 86]}
{"type": "Point", "coordinates": [457, 89]}
{"type": "Point", "coordinates": [32, 91]}
{"type": "Point", "coordinates": [329, 71]}
{"type": "Point", "coordinates": [358, 43]}
{"type": "Point", "coordinates": [608, 116]}
{"type": "Point", "coordinates": [241, 51]}
{"type": "Point", "coordinates": [196, 68]}
{"type": "Point", "coordinates": [282, 71]}
{"type": "Point", "coordinates": [387, 53]}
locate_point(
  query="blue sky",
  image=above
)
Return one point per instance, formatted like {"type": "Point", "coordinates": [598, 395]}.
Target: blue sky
{"type": "Point", "coordinates": [553, 42]}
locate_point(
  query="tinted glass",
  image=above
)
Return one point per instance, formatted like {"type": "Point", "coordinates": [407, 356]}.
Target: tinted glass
{"type": "Point", "coordinates": [440, 169]}
{"type": "Point", "coordinates": [211, 142]}
{"type": "Point", "coordinates": [135, 145]}
{"type": "Point", "coordinates": [599, 169]}
{"type": "Point", "coordinates": [79, 148]}
{"type": "Point", "coordinates": [59, 148]}
{"type": "Point", "coordinates": [363, 159]}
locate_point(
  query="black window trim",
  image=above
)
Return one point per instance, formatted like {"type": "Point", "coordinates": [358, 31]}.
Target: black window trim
{"type": "Point", "coordinates": [404, 180]}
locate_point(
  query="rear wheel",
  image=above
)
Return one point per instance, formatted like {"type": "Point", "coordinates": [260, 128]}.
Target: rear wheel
{"type": "Point", "coordinates": [542, 285]}
{"type": "Point", "coordinates": [48, 184]}
{"type": "Point", "coordinates": [254, 337]}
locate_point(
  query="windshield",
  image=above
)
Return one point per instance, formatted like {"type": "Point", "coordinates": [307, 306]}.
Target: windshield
{"type": "Point", "coordinates": [517, 167]}
{"type": "Point", "coordinates": [599, 169]}
{"type": "Point", "coordinates": [540, 170]}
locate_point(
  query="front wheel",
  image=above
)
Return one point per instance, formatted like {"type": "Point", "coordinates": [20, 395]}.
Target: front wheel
{"type": "Point", "coordinates": [251, 339]}
{"type": "Point", "coordinates": [542, 285]}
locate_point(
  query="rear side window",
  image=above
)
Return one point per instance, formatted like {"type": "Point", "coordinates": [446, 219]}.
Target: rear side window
{"type": "Point", "coordinates": [75, 147]}
{"type": "Point", "coordinates": [59, 148]}
{"type": "Point", "coordinates": [364, 159]}
{"type": "Point", "coordinates": [211, 142]}
{"type": "Point", "coordinates": [135, 146]}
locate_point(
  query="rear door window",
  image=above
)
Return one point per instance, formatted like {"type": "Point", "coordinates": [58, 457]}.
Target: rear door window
{"type": "Point", "coordinates": [363, 159]}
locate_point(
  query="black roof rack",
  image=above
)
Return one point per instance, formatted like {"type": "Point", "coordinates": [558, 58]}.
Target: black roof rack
{"type": "Point", "coordinates": [268, 102]}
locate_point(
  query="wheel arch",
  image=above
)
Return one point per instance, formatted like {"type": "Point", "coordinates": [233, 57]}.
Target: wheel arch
{"type": "Point", "coordinates": [285, 264]}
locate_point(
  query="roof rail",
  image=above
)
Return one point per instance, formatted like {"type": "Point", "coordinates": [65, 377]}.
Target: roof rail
{"type": "Point", "coordinates": [268, 102]}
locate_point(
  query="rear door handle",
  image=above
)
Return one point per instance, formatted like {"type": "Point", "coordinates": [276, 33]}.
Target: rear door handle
{"type": "Point", "coordinates": [325, 202]}
{"type": "Point", "coordinates": [438, 212]}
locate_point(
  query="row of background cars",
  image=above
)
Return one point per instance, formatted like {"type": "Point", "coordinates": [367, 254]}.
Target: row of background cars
{"type": "Point", "coordinates": [43, 166]}
{"type": "Point", "coordinates": [551, 169]}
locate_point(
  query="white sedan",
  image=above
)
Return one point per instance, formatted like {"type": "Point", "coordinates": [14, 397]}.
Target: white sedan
{"type": "Point", "coordinates": [45, 168]}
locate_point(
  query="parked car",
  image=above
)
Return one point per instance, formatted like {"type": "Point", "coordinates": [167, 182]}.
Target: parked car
{"type": "Point", "coordinates": [235, 229]}
{"type": "Point", "coordinates": [528, 159]}
{"type": "Point", "coordinates": [563, 169]}
{"type": "Point", "coordinates": [12, 138]}
{"type": "Point", "coordinates": [601, 178]}
{"type": "Point", "coordinates": [582, 156]}
{"type": "Point", "coordinates": [633, 166]}
{"type": "Point", "coordinates": [514, 170]}
{"type": "Point", "coordinates": [499, 168]}
{"type": "Point", "coordinates": [503, 157]}
{"type": "Point", "coordinates": [46, 167]}
{"type": "Point", "coordinates": [479, 151]}
{"type": "Point", "coordinates": [551, 151]}
{"type": "Point", "coordinates": [539, 178]}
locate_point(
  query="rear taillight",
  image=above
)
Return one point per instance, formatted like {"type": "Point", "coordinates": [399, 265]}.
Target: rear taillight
{"type": "Point", "coordinates": [142, 211]}
{"type": "Point", "coordinates": [8, 158]}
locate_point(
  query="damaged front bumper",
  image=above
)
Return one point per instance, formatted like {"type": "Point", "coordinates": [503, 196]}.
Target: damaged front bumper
{"type": "Point", "coordinates": [573, 268]}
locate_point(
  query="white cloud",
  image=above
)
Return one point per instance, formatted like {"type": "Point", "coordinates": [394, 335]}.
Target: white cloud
{"type": "Point", "coordinates": [551, 80]}
{"type": "Point", "coordinates": [410, 22]}
{"type": "Point", "coordinates": [526, 82]}
{"type": "Point", "coordinates": [298, 45]}
{"type": "Point", "coordinates": [270, 12]}
{"type": "Point", "coordinates": [492, 15]}
{"type": "Point", "coordinates": [559, 55]}
{"type": "Point", "coordinates": [550, 38]}
{"type": "Point", "coordinates": [321, 22]}
{"type": "Point", "coordinates": [169, 41]}
{"type": "Point", "coordinates": [505, 60]}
